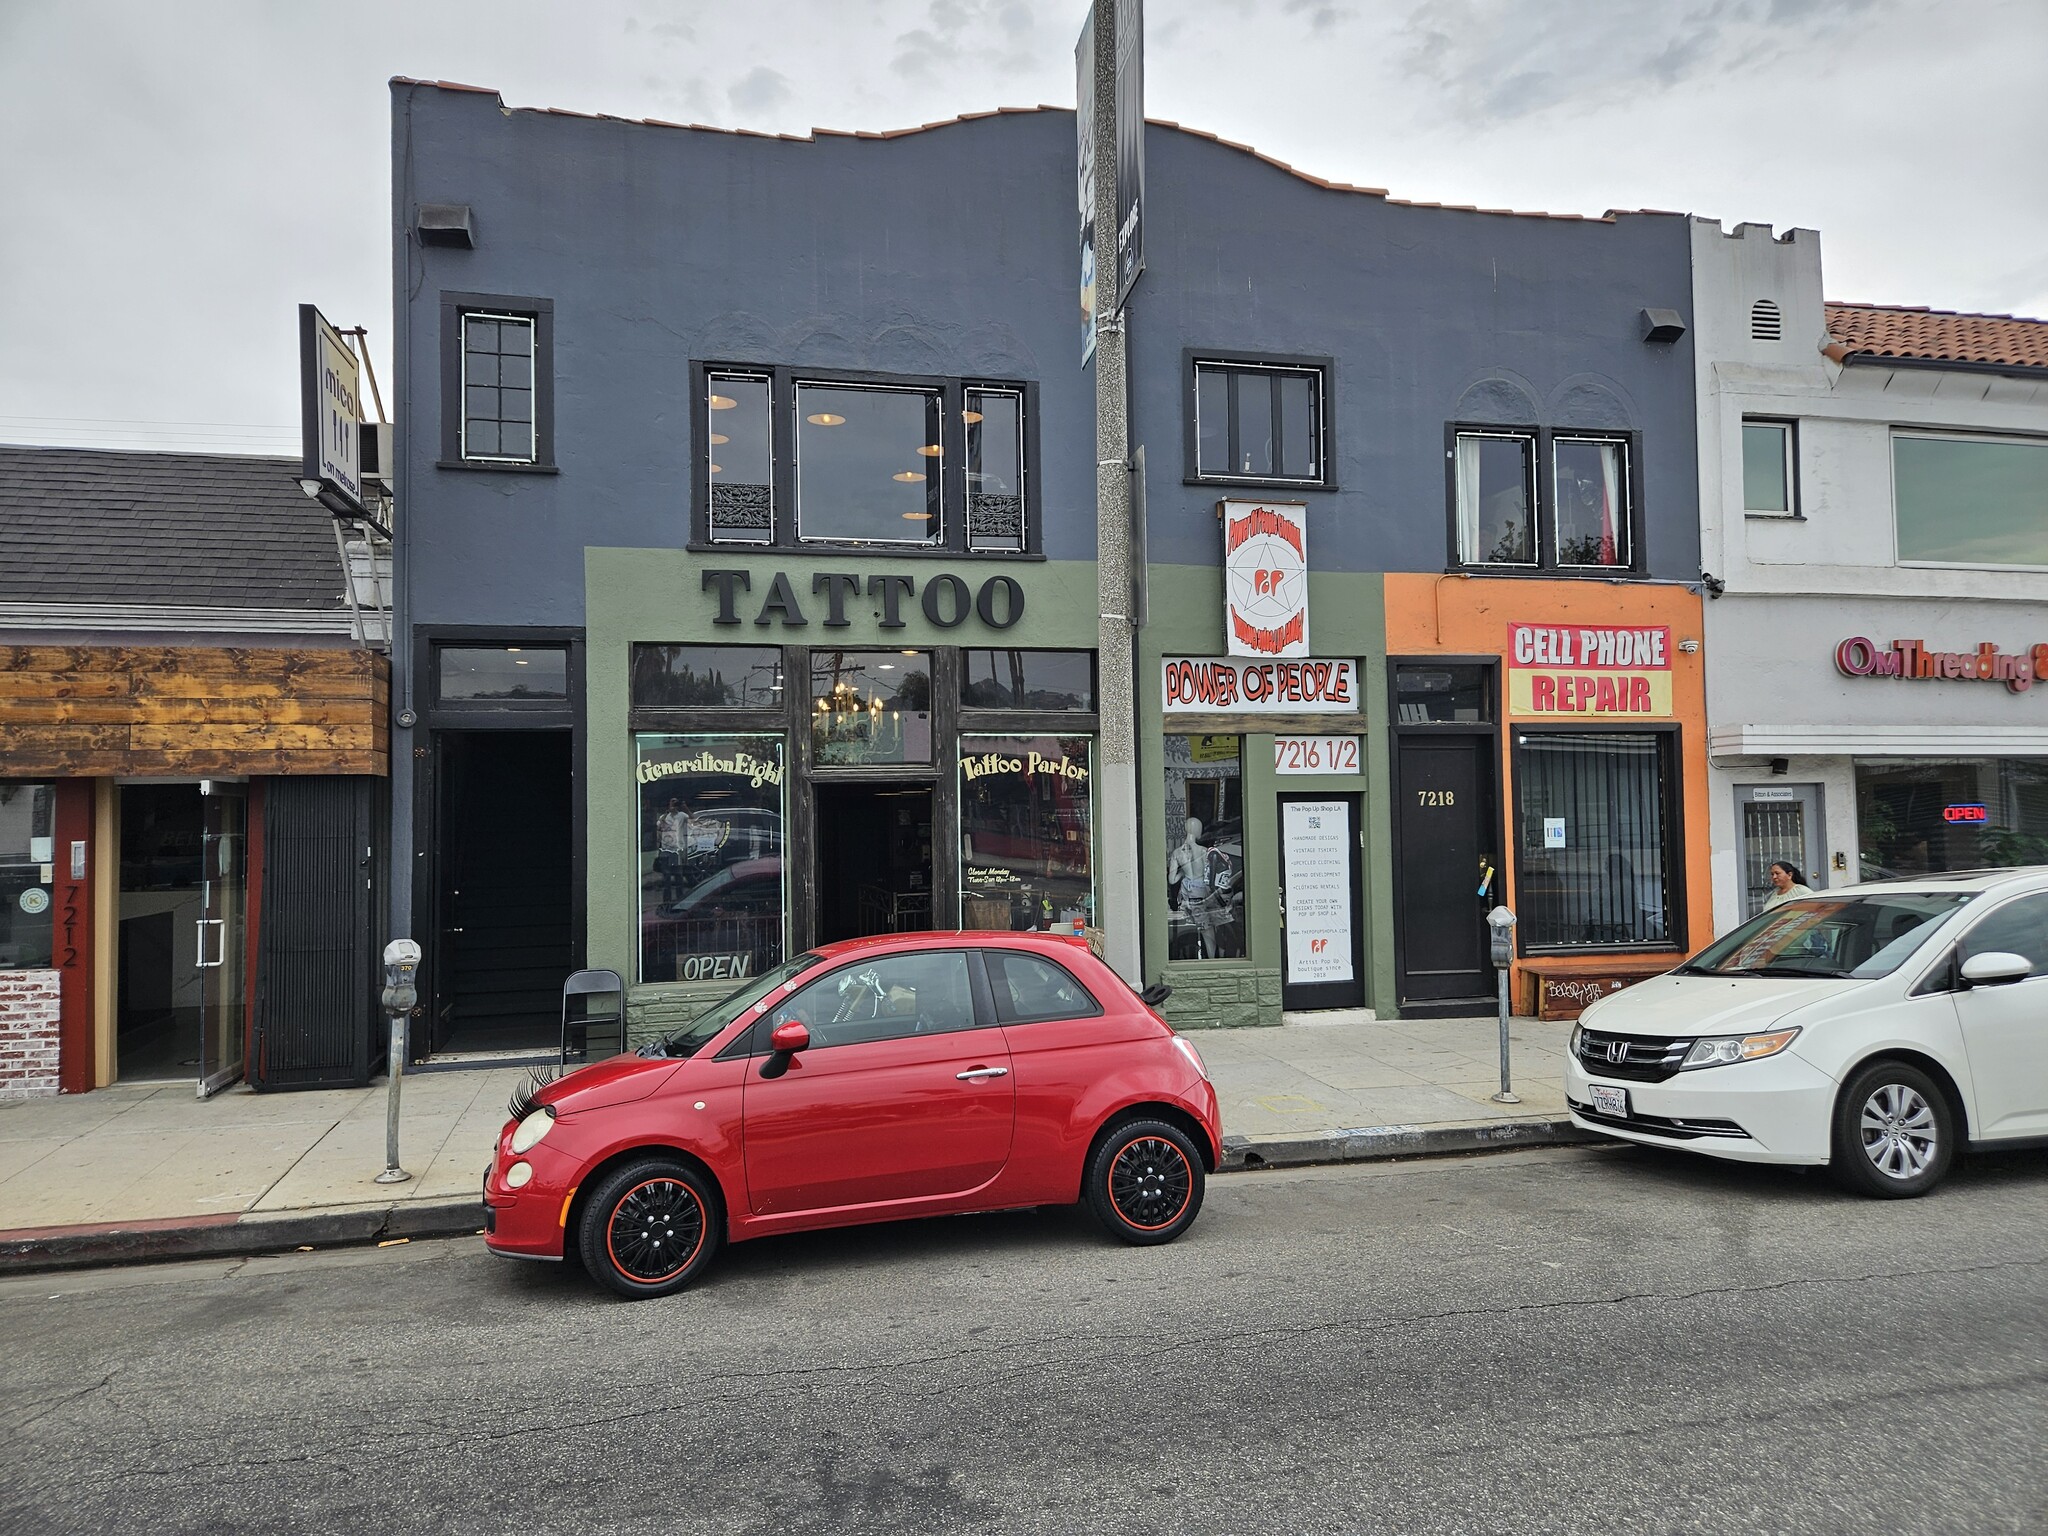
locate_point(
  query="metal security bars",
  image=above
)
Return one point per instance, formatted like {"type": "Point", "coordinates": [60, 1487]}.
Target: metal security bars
{"type": "Point", "coordinates": [1596, 839]}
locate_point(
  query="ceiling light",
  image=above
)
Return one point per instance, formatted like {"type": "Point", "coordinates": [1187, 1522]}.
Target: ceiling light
{"type": "Point", "coordinates": [908, 477]}
{"type": "Point", "coordinates": [723, 402]}
{"type": "Point", "coordinates": [522, 662]}
{"type": "Point", "coordinates": [512, 650]}
{"type": "Point", "coordinates": [917, 517]}
{"type": "Point", "coordinates": [931, 450]}
{"type": "Point", "coordinates": [970, 416]}
{"type": "Point", "coordinates": [887, 666]}
{"type": "Point", "coordinates": [719, 437]}
{"type": "Point", "coordinates": [717, 469]}
{"type": "Point", "coordinates": [825, 419]}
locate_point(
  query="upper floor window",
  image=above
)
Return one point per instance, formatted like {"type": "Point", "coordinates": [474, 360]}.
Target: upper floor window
{"type": "Point", "coordinates": [1769, 483]}
{"type": "Point", "coordinates": [1586, 522]}
{"type": "Point", "coordinates": [1258, 421]}
{"type": "Point", "coordinates": [497, 382]}
{"type": "Point", "coordinates": [788, 459]}
{"type": "Point", "coordinates": [1970, 500]}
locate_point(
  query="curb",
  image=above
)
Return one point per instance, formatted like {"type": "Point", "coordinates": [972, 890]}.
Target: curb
{"type": "Point", "coordinates": [34, 1249]}
{"type": "Point", "coordinates": [1376, 1142]}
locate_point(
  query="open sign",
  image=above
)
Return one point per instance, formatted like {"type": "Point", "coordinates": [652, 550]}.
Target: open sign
{"type": "Point", "coordinates": [1965, 813]}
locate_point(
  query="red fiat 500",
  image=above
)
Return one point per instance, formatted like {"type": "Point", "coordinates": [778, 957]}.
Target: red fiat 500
{"type": "Point", "coordinates": [913, 1075]}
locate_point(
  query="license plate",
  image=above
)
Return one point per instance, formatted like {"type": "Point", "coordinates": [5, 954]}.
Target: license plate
{"type": "Point", "coordinates": [1610, 1101]}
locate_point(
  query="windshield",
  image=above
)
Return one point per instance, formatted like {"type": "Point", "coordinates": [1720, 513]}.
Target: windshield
{"type": "Point", "coordinates": [690, 1039]}
{"type": "Point", "coordinates": [1854, 936]}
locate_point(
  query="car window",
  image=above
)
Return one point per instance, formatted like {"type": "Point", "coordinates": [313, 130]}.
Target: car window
{"type": "Point", "coordinates": [923, 993]}
{"type": "Point", "coordinates": [1860, 936]}
{"type": "Point", "coordinates": [1028, 989]}
{"type": "Point", "coordinates": [2017, 928]}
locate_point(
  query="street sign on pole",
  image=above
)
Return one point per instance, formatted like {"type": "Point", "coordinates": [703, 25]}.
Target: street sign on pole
{"type": "Point", "coordinates": [1130, 147]}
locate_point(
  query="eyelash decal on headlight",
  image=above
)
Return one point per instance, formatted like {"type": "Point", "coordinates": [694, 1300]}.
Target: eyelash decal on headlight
{"type": "Point", "coordinates": [521, 1104]}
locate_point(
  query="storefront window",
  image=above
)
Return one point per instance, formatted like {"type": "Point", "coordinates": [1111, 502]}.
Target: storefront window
{"type": "Point", "coordinates": [1027, 832]}
{"type": "Point", "coordinates": [871, 707]}
{"type": "Point", "coordinates": [501, 674]}
{"type": "Point", "coordinates": [1429, 695]}
{"type": "Point", "coordinates": [712, 885]}
{"type": "Point", "coordinates": [1027, 679]}
{"type": "Point", "coordinates": [28, 851]}
{"type": "Point", "coordinates": [707, 677]}
{"type": "Point", "coordinates": [1595, 858]}
{"type": "Point", "coordinates": [1204, 830]}
{"type": "Point", "coordinates": [1921, 816]}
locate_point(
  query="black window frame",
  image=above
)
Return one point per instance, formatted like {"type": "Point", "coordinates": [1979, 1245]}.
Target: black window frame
{"type": "Point", "coordinates": [541, 312]}
{"type": "Point", "coordinates": [1671, 774]}
{"type": "Point", "coordinates": [1544, 508]}
{"type": "Point", "coordinates": [1793, 507]}
{"type": "Point", "coordinates": [953, 542]}
{"type": "Point", "coordinates": [1193, 359]}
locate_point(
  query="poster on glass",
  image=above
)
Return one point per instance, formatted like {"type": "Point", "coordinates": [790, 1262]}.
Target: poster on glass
{"type": "Point", "coordinates": [1027, 838]}
{"type": "Point", "coordinates": [712, 888]}
{"type": "Point", "coordinates": [1204, 827]}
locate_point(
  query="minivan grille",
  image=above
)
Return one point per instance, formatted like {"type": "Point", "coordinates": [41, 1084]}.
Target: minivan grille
{"type": "Point", "coordinates": [1636, 1058]}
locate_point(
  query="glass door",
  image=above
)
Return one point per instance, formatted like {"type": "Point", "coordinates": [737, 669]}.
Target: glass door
{"type": "Point", "coordinates": [222, 934]}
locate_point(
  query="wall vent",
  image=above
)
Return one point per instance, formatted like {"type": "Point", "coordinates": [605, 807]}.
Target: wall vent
{"type": "Point", "coordinates": [1765, 321]}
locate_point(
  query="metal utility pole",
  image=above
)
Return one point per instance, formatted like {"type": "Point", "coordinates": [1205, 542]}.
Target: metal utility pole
{"type": "Point", "coordinates": [1116, 763]}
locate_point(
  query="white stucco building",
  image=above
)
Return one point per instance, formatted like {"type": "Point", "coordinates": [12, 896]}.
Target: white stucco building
{"type": "Point", "coordinates": [1874, 475]}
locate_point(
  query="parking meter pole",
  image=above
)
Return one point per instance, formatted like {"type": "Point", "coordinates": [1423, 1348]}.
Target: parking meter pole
{"type": "Point", "coordinates": [401, 967]}
{"type": "Point", "coordinates": [393, 1174]}
{"type": "Point", "coordinates": [1502, 922]}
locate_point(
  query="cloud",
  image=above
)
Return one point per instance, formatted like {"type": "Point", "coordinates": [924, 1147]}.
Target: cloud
{"type": "Point", "coordinates": [759, 91]}
{"type": "Point", "coordinates": [1498, 60]}
{"type": "Point", "coordinates": [971, 37]}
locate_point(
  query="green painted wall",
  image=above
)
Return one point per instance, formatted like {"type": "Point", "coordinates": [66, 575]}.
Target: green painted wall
{"type": "Point", "coordinates": [656, 596]}
{"type": "Point", "coordinates": [1346, 618]}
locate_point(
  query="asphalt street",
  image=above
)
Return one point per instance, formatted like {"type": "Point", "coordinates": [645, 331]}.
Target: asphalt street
{"type": "Point", "coordinates": [1563, 1340]}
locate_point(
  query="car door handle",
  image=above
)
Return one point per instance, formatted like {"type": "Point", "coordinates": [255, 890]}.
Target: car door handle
{"type": "Point", "coordinates": [980, 1072]}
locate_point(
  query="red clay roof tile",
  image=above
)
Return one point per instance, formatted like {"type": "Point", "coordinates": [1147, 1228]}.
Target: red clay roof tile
{"type": "Point", "coordinates": [1937, 335]}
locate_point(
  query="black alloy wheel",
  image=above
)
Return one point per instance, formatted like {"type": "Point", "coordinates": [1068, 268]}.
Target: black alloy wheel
{"type": "Point", "coordinates": [650, 1228]}
{"type": "Point", "coordinates": [1895, 1132]}
{"type": "Point", "coordinates": [1145, 1182]}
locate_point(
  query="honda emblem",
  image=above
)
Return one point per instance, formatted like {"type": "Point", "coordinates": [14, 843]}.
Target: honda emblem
{"type": "Point", "coordinates": [1617, 1051]}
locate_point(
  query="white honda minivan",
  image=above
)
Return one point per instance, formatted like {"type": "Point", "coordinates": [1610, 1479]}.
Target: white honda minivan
{"type": "Point", "coordinates": [1877, 1029]}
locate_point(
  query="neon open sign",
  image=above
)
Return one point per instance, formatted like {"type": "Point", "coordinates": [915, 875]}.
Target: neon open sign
{"type": "Point", "coordinates": [1965, 813]}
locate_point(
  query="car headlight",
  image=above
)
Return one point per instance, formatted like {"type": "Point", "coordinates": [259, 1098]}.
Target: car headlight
{"type": "Point", "coordinates": [1578, 1033]}
{"type": "Point", "coordinates": [1720, 1050]}
{"type": "Point", "coordinates": [527, 1133]}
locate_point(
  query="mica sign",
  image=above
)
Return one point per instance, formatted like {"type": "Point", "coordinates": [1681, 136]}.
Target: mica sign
{"type": "Point", "coordinates": [1593, 670]}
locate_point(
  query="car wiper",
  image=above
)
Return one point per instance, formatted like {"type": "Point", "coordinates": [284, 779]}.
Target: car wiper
{"type": "Point", "coordinates": [1830, 973]}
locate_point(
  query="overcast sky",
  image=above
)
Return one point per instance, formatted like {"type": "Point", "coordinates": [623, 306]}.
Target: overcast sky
{"type": "Point", "coordinates": [176, 178]}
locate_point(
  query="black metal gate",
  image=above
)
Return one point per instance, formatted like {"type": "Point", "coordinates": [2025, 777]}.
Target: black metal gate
{"type": "Point", "coordinates": [316, 987]}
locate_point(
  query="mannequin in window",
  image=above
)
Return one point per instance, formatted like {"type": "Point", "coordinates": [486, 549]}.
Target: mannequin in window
{"type": "Point", "coordinates": [1203, 875]}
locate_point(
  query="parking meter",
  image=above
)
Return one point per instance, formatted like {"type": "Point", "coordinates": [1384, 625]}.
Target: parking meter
{"type": "Point", "coordinates": [401, 993]}
{"type": "Point", "coordinates": [401, 970]}
{"type": "Point", "coordinates": [1501, 923]}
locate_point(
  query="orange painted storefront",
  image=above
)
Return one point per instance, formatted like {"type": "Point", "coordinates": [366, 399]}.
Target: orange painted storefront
{"type": "Point", "coordinates": [1473, 617]}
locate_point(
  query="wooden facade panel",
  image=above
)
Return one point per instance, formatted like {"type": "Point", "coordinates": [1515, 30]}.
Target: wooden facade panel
{"type": "Point", "coordinates": [177, 710]}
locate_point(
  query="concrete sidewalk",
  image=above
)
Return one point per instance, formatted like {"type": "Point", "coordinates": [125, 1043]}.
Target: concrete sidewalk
{"type": "Point", "coordinates": [148, 1171]}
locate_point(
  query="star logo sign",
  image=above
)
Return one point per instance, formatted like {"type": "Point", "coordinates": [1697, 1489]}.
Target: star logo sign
{"type": "Point", "coordinates": [1268, 582]}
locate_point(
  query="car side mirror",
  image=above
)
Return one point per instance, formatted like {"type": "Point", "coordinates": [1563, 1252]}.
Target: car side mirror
{"type": "Point", "coordinates": [784, 1041]}
{"type": "Point", "coordinates": [1994, 968]}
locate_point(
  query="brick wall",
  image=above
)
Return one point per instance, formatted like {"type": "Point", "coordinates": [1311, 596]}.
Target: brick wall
{"type": "Point", "coordinates": [30, 1002]}
{"type": "Point", "coordinates": [1222, 997]}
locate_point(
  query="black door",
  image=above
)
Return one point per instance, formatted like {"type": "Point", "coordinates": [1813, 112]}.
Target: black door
{"type": "Point", "coordinates": [1320, 897]}
{"type": "Point", "coordinates": [504, 874]}
{"type": "Point", "coordinates": [1444, 824]}
{"type": "Point", "coordinates": [316, 1018]}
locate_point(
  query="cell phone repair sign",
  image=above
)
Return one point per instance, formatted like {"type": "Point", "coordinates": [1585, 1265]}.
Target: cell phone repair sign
{"type": "Point", "coordinates": [1582, 670]}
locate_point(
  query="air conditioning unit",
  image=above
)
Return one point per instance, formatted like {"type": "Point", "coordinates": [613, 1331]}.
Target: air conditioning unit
{"type": "Point", "coordinates": [378, 457]}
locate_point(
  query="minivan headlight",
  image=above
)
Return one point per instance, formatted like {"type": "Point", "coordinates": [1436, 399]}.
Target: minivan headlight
{"type": "Point", "coordinates": [527, 1133]}
{"type": "Point", "coordinates": [1721, 1050]}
